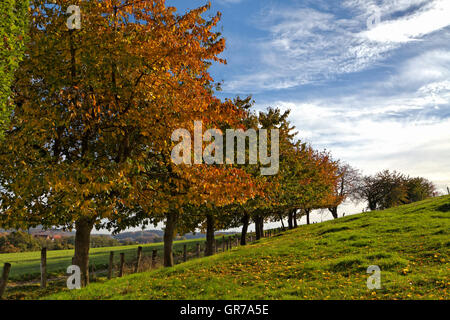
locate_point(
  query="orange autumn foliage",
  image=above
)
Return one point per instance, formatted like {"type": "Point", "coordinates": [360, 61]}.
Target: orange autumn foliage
{"type": "Point", "coordinates": [90, 138]}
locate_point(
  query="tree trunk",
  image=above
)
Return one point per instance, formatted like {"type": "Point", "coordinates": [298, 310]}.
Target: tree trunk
{"type": "Point", "coordinates": [281, 219]}
{"type": "Point", "coordinates": [258, 233]}
{"type": "Point", "coordinates": [307, 211]}
{"type": "Point", "coordinates": [261, 226]}
{"type": "Point", "coordinates": [290, 218]}
{"type": "Point", "coordinates": [372, 205]}
{"type": "Point", "coordinates": [82, 242]}
{"type": "Point", "coordinates": [295, 219]}
{"type": "Point", "coordinates": [209, 235]}
{"type": "Point", "coordinates": [245, 223]}
{"type": "Point", "coordinates": [169, 233]}
{"type": "Point", "coordinates": [334, 212]}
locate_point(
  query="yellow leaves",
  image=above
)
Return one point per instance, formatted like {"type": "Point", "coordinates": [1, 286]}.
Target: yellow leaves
{"type": "Point", "coordinates": [405, 271]}
{"type": "Point", "coordinates": [80, 104]}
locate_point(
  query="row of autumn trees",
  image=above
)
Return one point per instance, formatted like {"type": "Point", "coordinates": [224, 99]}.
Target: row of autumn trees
{"type": "Point", "coordinates": [88, 144]}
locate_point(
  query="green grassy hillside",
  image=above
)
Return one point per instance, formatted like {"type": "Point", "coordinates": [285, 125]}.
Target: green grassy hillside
{"type": "Point", "coordinates": [323, 261]}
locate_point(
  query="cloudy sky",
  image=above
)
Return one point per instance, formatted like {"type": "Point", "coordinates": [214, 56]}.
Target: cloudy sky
{"type": "Point", "coordinates": [368, 80]}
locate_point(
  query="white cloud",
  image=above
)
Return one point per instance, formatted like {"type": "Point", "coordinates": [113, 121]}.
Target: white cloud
{"type": "Point", "coordinates": [430, 18]}
{"type": "Point", "coordinates": [305, 46]}
{"type": "Point", "coordinates": [366, 8]}
{"type": "Point", "coordinates": [417, 148]}
{"type": "Point", "coordinates": [428, 67]}
{"type": "Point", "coordinates": [373, 130]}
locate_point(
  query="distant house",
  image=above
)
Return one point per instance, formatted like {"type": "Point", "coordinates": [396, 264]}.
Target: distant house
{"type": "Point", "coordinates": [47, 236]}
{"type": "Point", "coordinates": [42, 236]}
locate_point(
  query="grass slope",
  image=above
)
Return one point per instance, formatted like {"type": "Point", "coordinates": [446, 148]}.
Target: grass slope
{"type": "Point", "coordinates": [322, 261]}
{"type": "Point", "coordinates": [26, 265]}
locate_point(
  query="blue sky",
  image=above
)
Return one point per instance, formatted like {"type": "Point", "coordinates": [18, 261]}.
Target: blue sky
{"type": "Point", "coordinates": [376, 93]}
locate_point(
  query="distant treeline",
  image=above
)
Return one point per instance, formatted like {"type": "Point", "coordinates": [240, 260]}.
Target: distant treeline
{"type": "Point", "coordinates": [19, 241]}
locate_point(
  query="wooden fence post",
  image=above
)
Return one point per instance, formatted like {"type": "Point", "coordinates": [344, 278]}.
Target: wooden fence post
{"type": "Point", "coordinates": [223, 244]}
{"type": "Point", "coordinates": [185, 253]}
{"type": "Point", "coordinates": [122, 263]}
{"type": "Point", "coordinates": [44, 267]}
{"type": "Point", "coordinates": [111, 265]}
{"type": "Point", "coordinates": [154, 253]}
{"type": "Point", "coordinates": [138, 262]}
{"type": "Point", "coordinates": [230, 244]}
{"type": "Point", "coordinates": [4, 279]}
{"type": "Point", "coordinates": [198, 250]}
{"type": "Point", "coordinates": [216, 244]}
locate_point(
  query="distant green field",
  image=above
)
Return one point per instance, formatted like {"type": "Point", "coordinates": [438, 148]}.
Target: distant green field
{"type": "Point", "coordinates": [26, 265]}
{"type": "Point", "coordinates": [322, 261]}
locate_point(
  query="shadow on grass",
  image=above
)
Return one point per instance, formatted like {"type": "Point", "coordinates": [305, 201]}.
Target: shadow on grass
{"type": "Point", "coordinates": [444, 208]}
